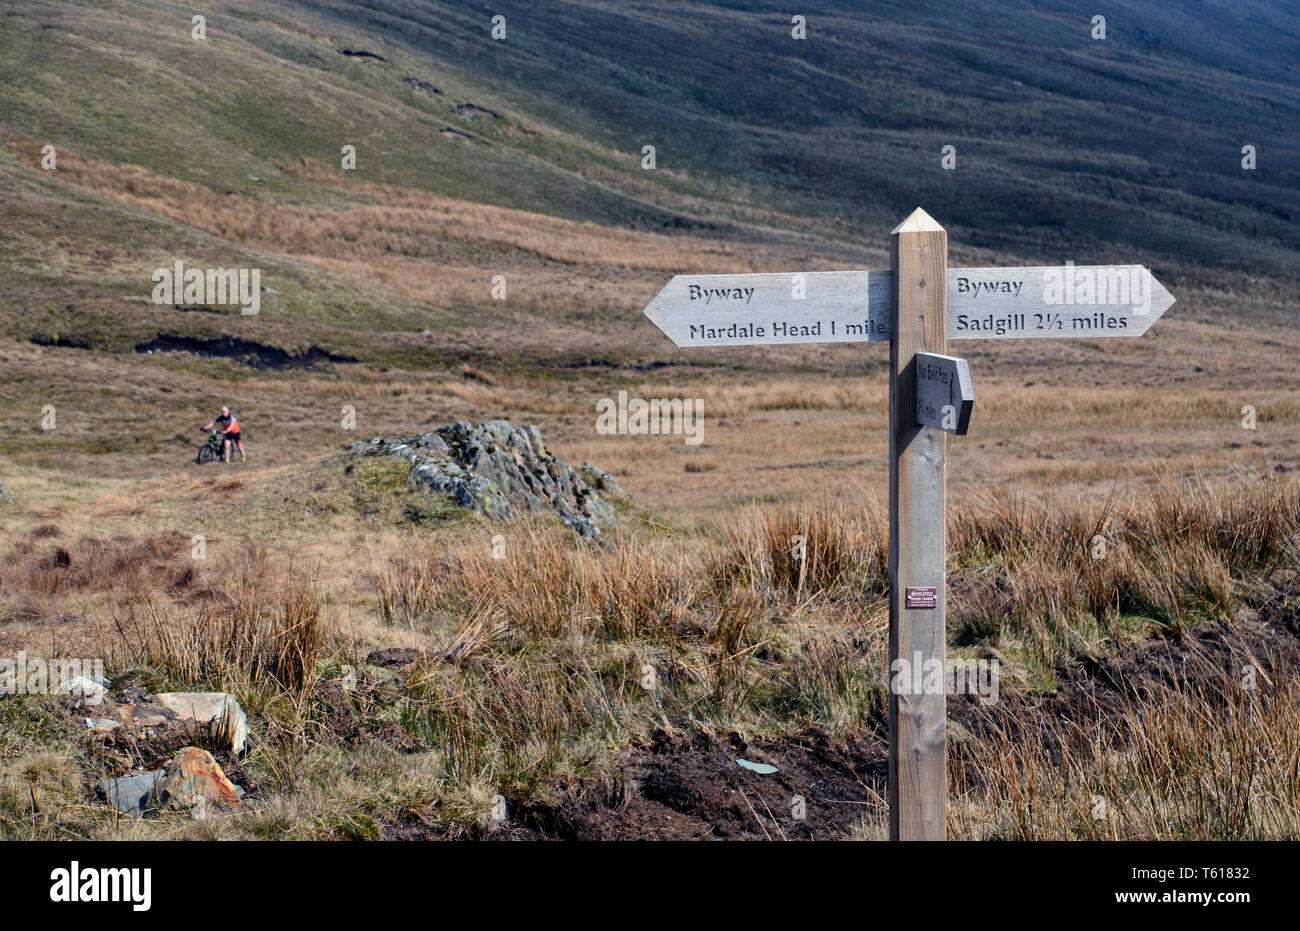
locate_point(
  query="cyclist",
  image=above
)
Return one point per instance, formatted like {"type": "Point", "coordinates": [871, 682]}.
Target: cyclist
{"type": "Point", "coordinates": [229, 427]}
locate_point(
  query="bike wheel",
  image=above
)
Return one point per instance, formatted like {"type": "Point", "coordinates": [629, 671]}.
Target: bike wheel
{"type": "Point", "coordinates": [206, 453]}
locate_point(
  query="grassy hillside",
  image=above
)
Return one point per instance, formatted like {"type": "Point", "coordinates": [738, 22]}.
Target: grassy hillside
{"type": "Point", "coordinates": [434, 676]}
{"type": "Point", "coordinates": [1063, 142]}
{"type": "Point", "coordinates": [521, 158]}
{"type": "Point", "coordinates": [478, 158]}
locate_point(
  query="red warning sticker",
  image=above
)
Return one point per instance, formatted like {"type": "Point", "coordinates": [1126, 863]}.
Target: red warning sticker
{"type": "Point", "coordinates": [922, 598]}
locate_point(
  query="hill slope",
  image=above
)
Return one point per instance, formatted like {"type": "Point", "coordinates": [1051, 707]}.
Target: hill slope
{"type": "Point", "coordinates": [521, 158]}
{"type": "Point", "coordinates": [1062, 140]}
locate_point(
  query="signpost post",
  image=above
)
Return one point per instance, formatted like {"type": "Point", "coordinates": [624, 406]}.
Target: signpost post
{"type": "Point", "coordinates": [918, 747]}
{"type": "Point", "coordinates": [917, 305]}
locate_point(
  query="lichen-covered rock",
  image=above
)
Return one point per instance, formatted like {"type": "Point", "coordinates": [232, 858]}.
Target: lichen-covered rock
{"type": "Point", "coordinates": [604, 483]}
{"type": "Point", "coordinates": [193, 783]}
{"type": "Point", "coordinates": [497, 469]}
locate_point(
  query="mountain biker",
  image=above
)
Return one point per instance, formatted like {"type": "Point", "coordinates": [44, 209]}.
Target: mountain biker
{"type": "Point", "coordinates": [229, 433]}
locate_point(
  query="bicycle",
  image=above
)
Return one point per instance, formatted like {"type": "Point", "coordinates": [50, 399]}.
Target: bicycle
{"type": "Point", "coordinates": [211, 450]}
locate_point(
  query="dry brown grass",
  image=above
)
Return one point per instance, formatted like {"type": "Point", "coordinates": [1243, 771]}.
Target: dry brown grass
{"type": "Point", "coordinates": [1064, 579]}
{"type": "Point", "coordinates": [816, 549]}
{"type": "Point", "coordinates": [546, 660]}
{"type": "Point", "coordinates": [550, 646]}
{"type": "Point", "coordinates": [551, 661]}
{"type": "Point", "coordinates": [45, 565]}
{"type": "Point", "coordinates": [262, 645]}
{"type": "Point", "coordinates": [1212, 761]}
{"type": "Point", "coordinates": [552, 586]}
{"type": "Point", "coordinates": [1054, 580]}
{"type": "Point", "coordinates": [413, 243]}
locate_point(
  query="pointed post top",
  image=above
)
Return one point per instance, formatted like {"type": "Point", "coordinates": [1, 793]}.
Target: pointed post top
{"type": "Point", "coordinates": [918, 222]}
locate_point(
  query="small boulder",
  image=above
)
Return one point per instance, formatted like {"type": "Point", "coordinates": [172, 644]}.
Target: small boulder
{"type": "Point", "coordinates": [128, 793]}
{"type": "Point", "coordinates": [88, 691]}
{"type": "Point", "coordinates": [193, 783]}
{"type": "Point", "coordinates": [207, 708]}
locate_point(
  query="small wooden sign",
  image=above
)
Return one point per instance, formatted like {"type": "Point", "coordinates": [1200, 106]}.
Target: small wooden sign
{"type": "Point", "coordinates": [944, 396]}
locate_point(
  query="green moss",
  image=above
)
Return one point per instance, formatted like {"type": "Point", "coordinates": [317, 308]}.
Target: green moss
{"type": "Point", "coordinates": [381, 474]}
{"type": "Point", "coordinates": [424, 509]}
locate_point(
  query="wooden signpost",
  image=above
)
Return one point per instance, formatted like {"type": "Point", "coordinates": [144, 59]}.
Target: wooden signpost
{"type": "Point", "coordinates": [917, 306]}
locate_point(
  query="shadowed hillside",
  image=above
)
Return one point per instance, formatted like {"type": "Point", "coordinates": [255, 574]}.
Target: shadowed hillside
{"type": "Point", "coordinates": [1062, 141]}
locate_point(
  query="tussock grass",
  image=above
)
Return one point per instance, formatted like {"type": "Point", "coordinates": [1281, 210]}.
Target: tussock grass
{"type": "Point", "coordinates": [828, 547]}
{"type": "Point", "coordinates": [552, 586]}
{"type": "Point", "coordinates": [40, 784]}
{"type": "Point", "coordinates": [1064, 580]}
{"type": "Point", "coordinates": [406, 590]}
{"type": "Point", "coordinates": [542, 656]}
{"type": "Point", "coordinates": [46, 565]}
{"type": "Point", "coordinates": [262, 645]}
{"type": "Point", "coordinates": [1211, 761]}
{"type": "Point", "coordinates": [551, 661]}
{"type": "Point", "coordinates": [1054, 580]}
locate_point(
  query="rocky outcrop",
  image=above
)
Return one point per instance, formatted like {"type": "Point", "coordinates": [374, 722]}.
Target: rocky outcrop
{"type": "Point", "coordinates": [499, 470]}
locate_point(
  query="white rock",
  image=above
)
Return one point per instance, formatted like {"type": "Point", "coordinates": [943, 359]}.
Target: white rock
{"type": "Point", "coordinates": [207, 707]}
{"type": "Point", "coordinates": [90, 689]}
